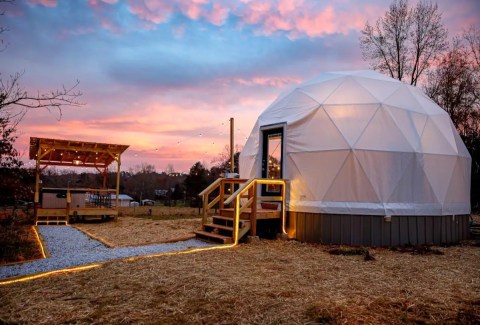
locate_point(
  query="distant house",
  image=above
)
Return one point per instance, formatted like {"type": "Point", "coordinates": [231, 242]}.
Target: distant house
{"type": "Point", "coordinates": [123, 200]}
{"type": "Point", "coordinates": [148, 202]}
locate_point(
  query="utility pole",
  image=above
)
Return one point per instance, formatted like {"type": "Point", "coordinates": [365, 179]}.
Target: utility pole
{"type": "Point", "coordinates": [232, 150]}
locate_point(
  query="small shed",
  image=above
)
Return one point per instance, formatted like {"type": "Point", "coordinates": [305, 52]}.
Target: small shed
{"type": "Point", "coordinates": [369, 160]}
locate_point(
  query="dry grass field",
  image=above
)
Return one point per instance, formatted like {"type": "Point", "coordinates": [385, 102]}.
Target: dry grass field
{"type": "Point", "coordinates": [264, 282]}
{"type": "Point", "coordinates": [133, 231]}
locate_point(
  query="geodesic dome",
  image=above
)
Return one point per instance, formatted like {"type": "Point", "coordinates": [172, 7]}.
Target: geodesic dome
{"type": "Point", "coordinates": [359, 142]}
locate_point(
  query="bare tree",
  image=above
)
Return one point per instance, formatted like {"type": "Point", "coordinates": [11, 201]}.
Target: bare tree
{"type": "Point", "coordinates": [14, 97]}
{"type": "Point", "coordinates": [453, 86]}
{"type": "Point", "coordinates": [406, 41]}
{"type": "Point", "coordinates": [472, 36]}
{"type": "Point", "coordinates": [14, 102]}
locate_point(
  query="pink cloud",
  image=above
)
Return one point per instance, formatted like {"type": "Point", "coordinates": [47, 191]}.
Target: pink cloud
{"type": "Point", "coordinates": [285, 7]}
{"type": "Point", "coordinates": [97, 2]}
{"type": "Point", "coordinates": [218, 15]}
{"type": "Point", "coordinates": [279, 82]}
{"type": "Point", "coordinates": [153, 11]}
{"type": "Point", "coordinates": [318, 23]}
{"type": "Point", "coordinates": [45, 3]}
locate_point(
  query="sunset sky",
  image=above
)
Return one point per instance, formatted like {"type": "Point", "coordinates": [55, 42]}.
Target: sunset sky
{"type": "Point", "coordinates": [165, 76]}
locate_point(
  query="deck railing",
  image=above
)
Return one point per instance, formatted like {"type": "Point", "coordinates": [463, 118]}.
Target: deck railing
{"type": "Point", "coordinates": [221, 185]}
{"type": "Point", "coordinates": [92, 202]}
{"type": "Point", "coordinates": [251, 187]}
{"type": "Point", "coordinates": [247, 190]}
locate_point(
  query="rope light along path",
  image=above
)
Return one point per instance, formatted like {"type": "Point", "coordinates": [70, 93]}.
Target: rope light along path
{"type": "Point", "coordinates": [95, 265]}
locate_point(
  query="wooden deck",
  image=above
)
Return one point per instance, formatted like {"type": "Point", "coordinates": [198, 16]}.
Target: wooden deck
{"type": "Point", "coordinates": [58, 216]}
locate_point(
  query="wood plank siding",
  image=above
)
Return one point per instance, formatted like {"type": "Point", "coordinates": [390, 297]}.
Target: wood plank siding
{"type": "Point", "coordinates": [375, 231]}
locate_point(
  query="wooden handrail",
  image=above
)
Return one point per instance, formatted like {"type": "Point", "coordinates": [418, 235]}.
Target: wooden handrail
{"type": "Point", "coordinates": [247, 189]}
{"type": "Point", "coordinates": [219, 183]}
{"type": "Point", "coordinates": [251, 187]}
{"type": "Point", "coordinates": [210, 188]}
{"type": "Point", "coordinates": [240, 190]}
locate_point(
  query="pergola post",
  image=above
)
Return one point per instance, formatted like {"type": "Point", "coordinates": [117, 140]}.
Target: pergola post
{"type": "Point", "coordinates": [118, 185]}
{"type": "Point", "coordinates": [104, 177]}
{"type": "Point", "coordinates": [36, 200]}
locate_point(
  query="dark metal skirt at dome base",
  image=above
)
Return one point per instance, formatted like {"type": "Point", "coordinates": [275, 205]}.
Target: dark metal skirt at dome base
{"type": "Point", "coordinates": [364, 230]}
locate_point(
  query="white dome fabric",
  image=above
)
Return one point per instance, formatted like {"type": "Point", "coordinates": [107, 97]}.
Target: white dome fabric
{"type": "Point", "coordinates": [359, 142]}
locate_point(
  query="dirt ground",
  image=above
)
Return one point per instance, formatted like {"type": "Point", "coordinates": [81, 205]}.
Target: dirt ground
{"type": "Point", "coordinates": [264, 282]}
{"type": "Point", "coordinates": [133, 231]}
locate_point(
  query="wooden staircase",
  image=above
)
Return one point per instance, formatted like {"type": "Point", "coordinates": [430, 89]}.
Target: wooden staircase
{"type": "Point", "coordinates": [221, 230]}
{"type": "Point", "coordinates": [233, 223]}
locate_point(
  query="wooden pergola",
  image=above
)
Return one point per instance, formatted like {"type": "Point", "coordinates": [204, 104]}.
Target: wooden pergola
{"type": "Point", "coordinates": [68, 153]}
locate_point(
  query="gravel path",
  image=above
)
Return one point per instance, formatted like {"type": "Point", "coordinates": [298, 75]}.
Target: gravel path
{"type": "Point", "coordinates": [70, 247]}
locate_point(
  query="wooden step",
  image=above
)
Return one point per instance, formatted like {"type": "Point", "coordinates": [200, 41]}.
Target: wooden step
{"type": "Point", "coordinates": [228, 221]}
{"type": "Point", "coordinates": [212, 226]}
{"type": "Point", "coordinates": [228, 212]}
{"type": "Point", "coordinates": [212, 237]}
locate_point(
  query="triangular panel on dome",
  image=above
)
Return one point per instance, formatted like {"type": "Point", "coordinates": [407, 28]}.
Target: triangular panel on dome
{"type": "Point", "coordinates": [318, 169]}
{"type": "Point", "coordinates": [290, 109]}
{"type": "Point", "coordinates": [411, 124]}
{"type": "Point", "coordinates": [384, 169]}
{"type": "Point", "coordinates": [439, 171]}
{"type": "Point", "coordinates": [433, 140]}
{"type": "Point", "coordinates": [322, 90]}
{"type": "Point", "coordinates": [316, 132]}
{"type": "Point", "coordinates": [350, 92]}
{"type": "Point", "coordinates": [402, 191]}
{"type": "Point", "coordinates": [382, 133]}
{"type": "Point", "coordinates": [444, 124]}
{"type": "Point", "coordinates": [299, 189]}
{"type": "Point", "coordinates": [422, 191]}
{"type": "Point", "coordinates": [457, 191]}
{"type": "Point", "coordinates": [380, 89]}
{"type": "Point", "coordinates": [403, 98]}
{"type": "Point", "coordinates": [351, 120]}
{"type": "Point", "coordinates": [428, 105]}
{"type": "Point", "coordinates": [461, 148]}
{"type": "Point", "coordinates": [324, 77]}
{"type": "Point", "coordinates": [351, 184]}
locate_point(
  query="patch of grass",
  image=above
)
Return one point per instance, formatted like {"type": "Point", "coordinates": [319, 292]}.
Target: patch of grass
{"type": "Point", "coordinates": [320, 314]}
{"type": "Point", "coordinates": [418, 250]}
{"type": "Point", "coordinates": [470, 314]}
{"type": "Point", "coordinates": [351, 251]}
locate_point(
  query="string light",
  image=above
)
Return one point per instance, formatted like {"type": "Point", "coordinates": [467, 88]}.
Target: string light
{"type": "Point", "coordinates": [204, 133]}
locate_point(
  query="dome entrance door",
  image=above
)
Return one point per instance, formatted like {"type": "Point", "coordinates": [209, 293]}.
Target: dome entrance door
{"type": "Point", "coordinates": [272, 159]}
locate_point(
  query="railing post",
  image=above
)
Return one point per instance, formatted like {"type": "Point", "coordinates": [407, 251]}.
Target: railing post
{"type": "Point", "coordinates": [67, 209]}
{"type": "Point", "coordinates": [222, 194]}
{"type": "Point", "coordinates": [236, 221]}
{"type": "Point", "coordinates": [284, 207]}
{"type": "Point", "coordinates": [253, 215]}
{"type": "Point", "coordinates": [205, 208]}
